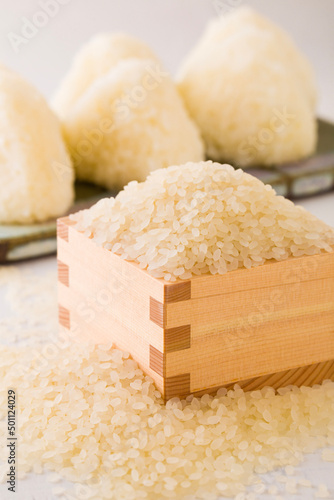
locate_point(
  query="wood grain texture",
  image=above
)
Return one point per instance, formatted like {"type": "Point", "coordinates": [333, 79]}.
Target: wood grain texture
{"type": "Point", "coordinates": [63, 225]}
{"type": "Point", "coordinates": [64, 317]}
{"type": "Point", "coordinates": [157, 312]}
{"type": "Point", "coordinates": [177, 292]}
{"type": "Point", "coordinates": [178, 386]}
{"type": "Point", "coordinates": [157, 361]}
{"type": "Point", "coordinates": [63, 273]}
{"type": "Point", "coordinates": [256, 305]}
{"type": "Point", "coordinates": [219, 357]}
{"type": "Point", "coordinates": [177, 339]}
{"type": "Point", "coordinates": [290, 271]}
{"type": "Point", "coordinates": [303, 376]}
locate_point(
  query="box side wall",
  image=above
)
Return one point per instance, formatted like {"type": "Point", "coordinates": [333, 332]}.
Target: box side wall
{"type": "Point", "coordinates": [104, 302]}
{"type": "Point", "coordinates": [252, 333]}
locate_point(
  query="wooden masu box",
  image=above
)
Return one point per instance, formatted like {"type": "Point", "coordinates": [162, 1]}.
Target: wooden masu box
{"type": "Point", "coordinates": [270, 325]}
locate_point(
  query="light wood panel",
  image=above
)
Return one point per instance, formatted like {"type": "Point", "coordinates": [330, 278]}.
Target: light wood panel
{"type": "Point", "coordinates": [256, 305]}
{"type": "Point", "coordinates": [293, 270]}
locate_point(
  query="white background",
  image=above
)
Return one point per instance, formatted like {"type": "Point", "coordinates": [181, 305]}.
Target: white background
{"type": "Point", "coordinates": [171, 27]}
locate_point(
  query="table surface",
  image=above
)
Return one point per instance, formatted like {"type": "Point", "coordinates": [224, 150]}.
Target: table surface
{"type": "Point", "coordinates": [45, 58]}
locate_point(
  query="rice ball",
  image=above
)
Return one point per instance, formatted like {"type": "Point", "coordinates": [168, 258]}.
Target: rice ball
{"type": "Point", "coordinates": [250, 91]}
{"type": "Point", "coordinates": [127, 121]}
{"type": "Point", "coordinates": [96, 58]}
{"type": "Point", "coordinates": [36, 171]}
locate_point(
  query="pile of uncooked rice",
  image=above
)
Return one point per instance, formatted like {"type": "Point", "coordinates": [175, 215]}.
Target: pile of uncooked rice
{"type": "Point", "coordinates": [202, 218]}
{"type": "Point", "coordinates": [90, 415]}
{"type": "Point", "coordinates": [28, 320]}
